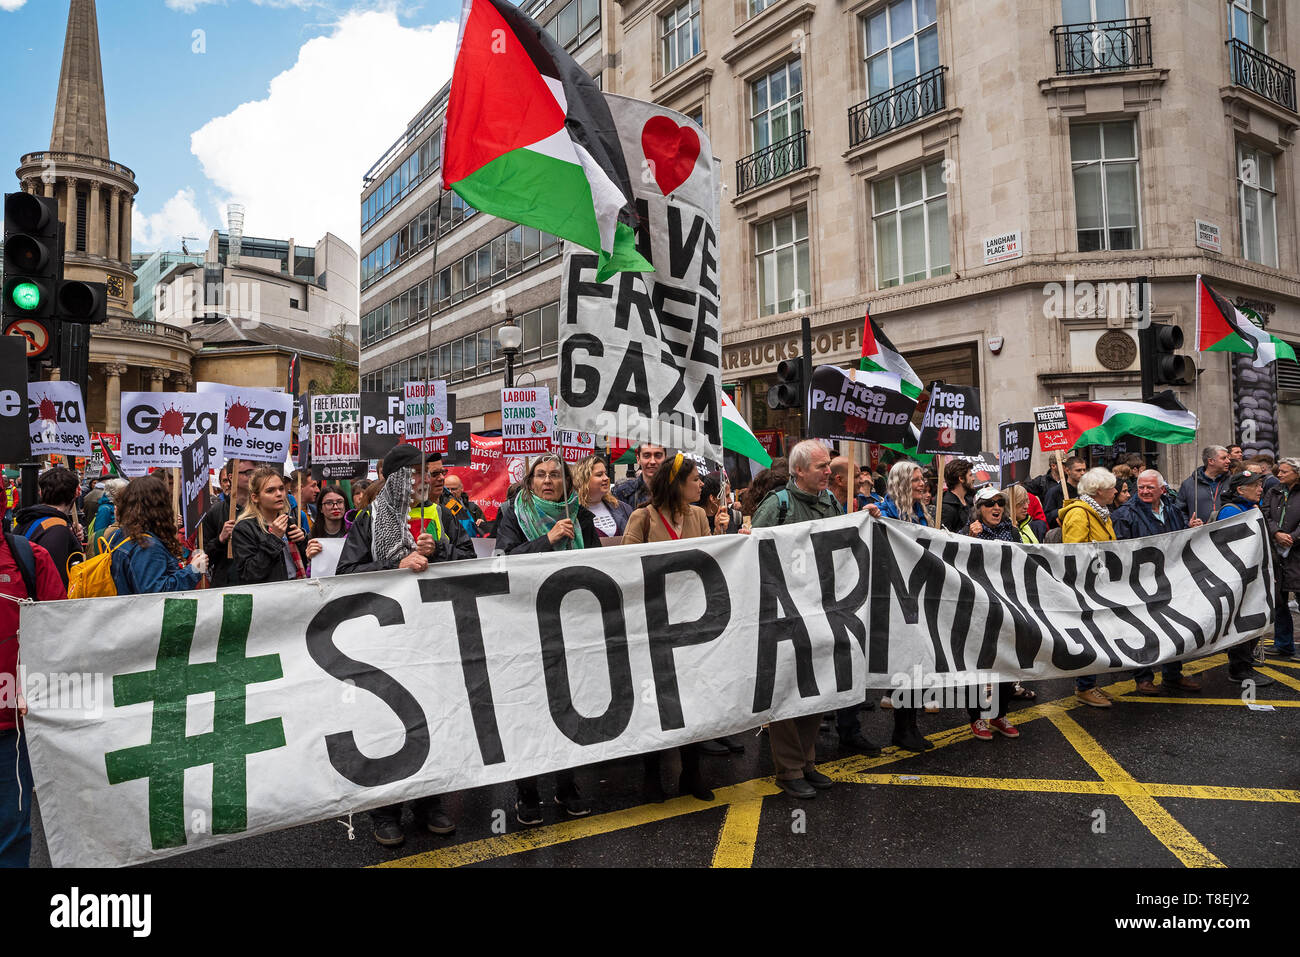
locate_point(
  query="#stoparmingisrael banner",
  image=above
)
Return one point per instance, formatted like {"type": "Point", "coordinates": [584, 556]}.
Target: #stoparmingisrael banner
{"type": "Point", "coordinates": [223, 714]}
{"type": "Point", "coordinates": [640, 355]}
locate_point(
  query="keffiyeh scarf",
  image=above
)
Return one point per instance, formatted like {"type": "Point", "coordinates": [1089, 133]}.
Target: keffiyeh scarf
{"type": "Point", "coordinates": [1095, 505]}
{"type": "Point", "coordinates": [390, 535]}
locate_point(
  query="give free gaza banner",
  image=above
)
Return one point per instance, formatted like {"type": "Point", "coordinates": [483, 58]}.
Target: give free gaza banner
{"type": "Point", "coordinates": [228, 713]}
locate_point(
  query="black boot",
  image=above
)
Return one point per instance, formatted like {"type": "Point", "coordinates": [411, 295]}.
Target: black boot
{"type": "Point", "coordinates": [691, 782]}
{"type": "Point", "coordinates": [906, 734]}
{"type": "Point", "coordinates": [652, 790]}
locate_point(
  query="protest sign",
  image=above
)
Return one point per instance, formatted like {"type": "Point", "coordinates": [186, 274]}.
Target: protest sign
{"type": "Point", "coordinates": [870, 408]}
{"type": "Point", "coordinates": [56, 416]}
{"type": "Point", "coordinates": [15, 437]}
{"type": "Point", "coordinates": [952, 424]}
{"type": "Point", "coordinates": [575, 446]}
{"type": "Point", "coordinates": [640, 355]}
{"type": "Point", "coordinates": [458, 454]}
{"type": "Point", "coordinates": [1015, 447]}
{"type": "Point", "coordinates": [340, 471]}
{"type": "Point", "coordinates": [301, 451]}
{"type": "Point", "coordinates": [428, 424]}
{"type": "Point", "coordinates": [96, 467]}
{"type": "Point", "coordinates": [157, 427]}
{"type": "Point", "coordinates": [335, 428]}
{"type": "Point", "coordinates": [383, 423]}
{"type": "Point", "coordinates": [984, 468]}
{"type": "Point", "coordinates": [326, 563]}
{"type": "Point", "coordinates": [196, 484]}
{"type": "Point", "coordinates": [526, 420]}
{"type": "Point", "coordinates": [1053, 428]}
{"type": "Point", "coordinates": [477, 673]}
{"type": "Point", "coordinates": [255, 424]}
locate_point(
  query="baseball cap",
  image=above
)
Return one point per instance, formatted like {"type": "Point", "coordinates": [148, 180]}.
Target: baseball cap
{"type": "Point", "coordinates": [1242, 479]}
{"type": "Point", "coordinates": [987, 493]}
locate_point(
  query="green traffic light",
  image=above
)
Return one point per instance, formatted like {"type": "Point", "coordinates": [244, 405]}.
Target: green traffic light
{"type": "Point", "coordinates": [27, 295]}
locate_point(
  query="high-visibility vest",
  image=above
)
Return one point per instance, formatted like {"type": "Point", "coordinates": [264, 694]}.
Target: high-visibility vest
{"type": "Point", "coordinates": [426, 518]}
{"type": "Point", "coordinates": [1027, 535]}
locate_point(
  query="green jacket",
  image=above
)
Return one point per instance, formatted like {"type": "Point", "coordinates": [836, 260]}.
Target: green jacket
{"type": "Point", "coordinates": [803, 507]}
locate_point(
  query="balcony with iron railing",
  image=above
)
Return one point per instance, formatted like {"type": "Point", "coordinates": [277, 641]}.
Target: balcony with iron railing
{"type": "Point", "coordinates": [772, 162]}
{"type": "Point", "coordinates": [1106, 46]}
{"type": "Point", "coordinates": [1261, 74]}
{"type": "Point", "coordinates": [898, 106]}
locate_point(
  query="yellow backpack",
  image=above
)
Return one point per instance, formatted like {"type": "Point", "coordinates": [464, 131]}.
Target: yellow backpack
{"type": "Point", "coordinates": [94, 578]}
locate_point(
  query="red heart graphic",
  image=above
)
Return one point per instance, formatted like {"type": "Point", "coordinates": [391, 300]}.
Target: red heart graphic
{"type": "Point", "coordinates": [672, 151]}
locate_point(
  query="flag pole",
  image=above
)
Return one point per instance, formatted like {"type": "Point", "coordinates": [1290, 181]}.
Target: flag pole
{"type": "Point", "coordinates": [428, 327]}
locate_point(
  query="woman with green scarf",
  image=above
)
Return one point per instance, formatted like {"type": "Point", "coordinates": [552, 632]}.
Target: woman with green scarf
{"type": "Point", "coordinates": [545, 516]}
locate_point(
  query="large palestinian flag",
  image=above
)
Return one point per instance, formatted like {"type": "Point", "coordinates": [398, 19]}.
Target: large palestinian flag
{"type": "Point", "coordinates": [528, 137]}
{"type": "Point", "coordinates": [1102, 423]}
{"type": "Point", "coordinates": [879, 355]}
{"type": "Point", "coordinates": [1222, 327]}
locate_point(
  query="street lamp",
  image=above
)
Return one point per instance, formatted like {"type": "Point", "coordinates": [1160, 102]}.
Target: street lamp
{"type": "Point", "coordinates": [510, 337]}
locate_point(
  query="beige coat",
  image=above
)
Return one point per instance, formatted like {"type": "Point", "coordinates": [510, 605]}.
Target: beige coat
{"type": "Point", "coordinates": [645, 525]}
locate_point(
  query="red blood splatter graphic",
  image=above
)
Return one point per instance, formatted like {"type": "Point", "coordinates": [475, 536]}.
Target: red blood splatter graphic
{"type": "Point", "coordinates": [237, 416]}
{"type": "Point", "coordinates": [171, 422]}
{"type": "Point", "coordinates": [48, 412]}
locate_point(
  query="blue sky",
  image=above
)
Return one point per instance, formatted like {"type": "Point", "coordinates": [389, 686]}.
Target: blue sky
{"type": "Point", "coordinates": [279, 104]}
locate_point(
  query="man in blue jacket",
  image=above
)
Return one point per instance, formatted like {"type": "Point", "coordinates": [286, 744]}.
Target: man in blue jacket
{"type": "Point", "coordinates": [1201, 494]}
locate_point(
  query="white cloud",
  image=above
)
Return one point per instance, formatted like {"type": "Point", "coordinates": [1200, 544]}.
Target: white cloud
{"type": "Point", "coordinates": [295, 159]}
{"type": "Point", "coordinates": [178, 217]}
{"type": "Point", "coordinates": [189, 6]}
{"type": "Point", "coordinates": [11, 5]}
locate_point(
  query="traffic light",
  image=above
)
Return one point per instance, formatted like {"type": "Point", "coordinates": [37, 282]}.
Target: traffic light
{"type": "Point", "coordinates": [1167, 367]}
{"type": "Point", "coordinates": [33, 264]}
{"type": "Point", "coordinates": [82, 302]}
{"type": "Point", "coordinates": [788, 391]}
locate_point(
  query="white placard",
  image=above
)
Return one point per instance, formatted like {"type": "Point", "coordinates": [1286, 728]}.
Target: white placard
{"type": "Point", "coordinates": [527, 420]}
{"type": "Point", "coordinates": [57, 419]}
{"type": "Point", "coordinates": [157, 428]}
{"type": "Point", "coordinates": [256, 423]}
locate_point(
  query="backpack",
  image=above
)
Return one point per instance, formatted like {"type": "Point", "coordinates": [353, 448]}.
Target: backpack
{"type": "Point", "coordinates": [41, 524]}
{"type": "Point", "coordinates": [782, 496]}
{"type": "Point", "coordinates": [1053, 537]}
{"type": "Point", "coordinates": [94, 579]}
{"type": "Point", "coordinates": [25, 558]}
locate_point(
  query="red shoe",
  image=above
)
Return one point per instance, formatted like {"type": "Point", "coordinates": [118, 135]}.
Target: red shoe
{"type": "Point", "coordinates": [980, 730]}
{"type": "Point", "coordinates": [1004, 727]}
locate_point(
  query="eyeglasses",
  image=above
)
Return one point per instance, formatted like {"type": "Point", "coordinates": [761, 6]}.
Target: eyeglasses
{"type": "Point", "coordinates": [436, 473]}
{"type": "Point", "coordinates": [547, 476]}
{"type": "Point", "coordinates": [333, 505]}
{"type": "Point", "coordinates": [994, 503]}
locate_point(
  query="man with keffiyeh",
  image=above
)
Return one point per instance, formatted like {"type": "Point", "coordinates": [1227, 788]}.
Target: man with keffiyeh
{"type": "Point", "coordinates": [380, 539]}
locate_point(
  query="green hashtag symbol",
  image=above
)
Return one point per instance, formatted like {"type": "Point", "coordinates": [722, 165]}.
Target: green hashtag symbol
{"type": "Point", "coordinates": [164, 760]}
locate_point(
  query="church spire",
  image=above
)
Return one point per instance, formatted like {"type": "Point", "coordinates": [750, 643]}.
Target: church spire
{"type": "Point", "coordinates": [80, 117]}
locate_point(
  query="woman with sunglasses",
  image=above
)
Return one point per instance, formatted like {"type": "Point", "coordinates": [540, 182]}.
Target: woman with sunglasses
{"type": "Point", "coordinates": [670, 515]}
{"type": "Point", "coordinates": [332, 521]}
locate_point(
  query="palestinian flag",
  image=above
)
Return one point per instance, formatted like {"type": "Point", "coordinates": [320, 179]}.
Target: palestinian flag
{"type": "Point", "coordinates": [528, 137]}
{"type": "Point", "coordinates": [909, 448]}
{"type": "Point", "coordinates": [1102, 423]}
{"type": "Point", "coordinates": [879, 355]}
{"type": "Point", "coordinates": [738, 437]}
{"type": "Point", "coordinates": [1222, 327]}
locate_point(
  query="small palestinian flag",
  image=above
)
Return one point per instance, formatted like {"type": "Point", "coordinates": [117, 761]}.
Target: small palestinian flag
{"type": "Point", "coordinates": [528, 137]}
{"type": "Point", "coordinates": [1222, 327]}
{"type": "Point", "coordinates": [879, 355]}
{"type": "Point", "coordinates": [738, 437]}
{"type": "Point", "coordinates": [1102, 423]}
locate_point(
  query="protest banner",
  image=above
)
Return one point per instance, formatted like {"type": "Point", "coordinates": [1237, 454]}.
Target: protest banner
{"type": "Point", "coordinates": [640, 355]}
{"type": "Point", "coordinates": [428, 424]}
{"type": "Point", "coordinates": [489, 474]}
{"type": "Point", "coordinates": [15, 436]}
{"type": "Point", "coordinates": [871, 407]}
{"type": "Point", "coordinates": [952, 424]}
{"type": "Point", "coordinates": [526, 420]}
{"type": "Point", "coordinates": [1052, 427]}
{"type": "Point", "coordinates": [1015, 449]}
{"type": "Point", "coordinates": [56, 416]}
{"type": "Point", "coordinates": [574, 446]}
{"type": "Point", "coordinates": [256, 423]}
{"type": "Point", "coordinates": [478, 673]}
{"type": "Point", "coordinates": [96, 467]}
{"type": "Point", "coordinates": [157, 427]}
{"type": "Point", "coordinates": [336, 428]}
{"type": "Point", "coordinates": [196, 484]}
{"type": "Point", "coordinates": [383, 423]}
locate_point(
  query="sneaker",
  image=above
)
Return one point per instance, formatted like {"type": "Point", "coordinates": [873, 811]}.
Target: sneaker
{"type": "Point", "coordinates": [389, 833]}
{"type": "Point", "coordinates": [979, 729]}
{"type": "Point", "coordinates": [1004, 727]}
{"type": "Point", "coordinates": [1094, 698]}
{"type": "Point", "coordinates": [436, 822]}
{"type": "Point", "coordinates": [573, 803]}
{"type": "Point", "coordinates": [1281, 655]}
{"type": "Point", "coordinates": [528, 809]}
{"type": "Point", "coordinates": [818, 780]}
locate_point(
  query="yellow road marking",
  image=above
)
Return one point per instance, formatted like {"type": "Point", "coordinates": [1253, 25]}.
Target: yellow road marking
{"type": "Point", "coordinates": [1059, 786]}
{"type": "Point", "coordinates": [739, 835]}
{"type": "Point", "coordinates": [1215, 701]}
{"type": "Point", "coordinates": [1287, 680]}
{"type": "Point", "coordinates": [537, 838]}
{"type": "Point", "coordinates": [1155, 818]}
{"type": "Point", "coordinates": [1274, 663]}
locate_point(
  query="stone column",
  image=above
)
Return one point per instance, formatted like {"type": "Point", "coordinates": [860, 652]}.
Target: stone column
{"type": "Point", "coordinates": [114, 224]}
{"type": "Point", "coordinates": [184, 382]}
{"type": "Point", "coordinates": [113, 373]}
{"type": "Point", "coordinates": [70, 216]}
{"type": "Point", "coordinates": [48, 186]}
{"type": "Point", "coordinates": [156, 379]}
{"type": "Point", "coordinates": [95, 221]}
{"type": "Point", "coordinates": [29, 186]}
{"type": "Point", "coordinates": [124, 253]}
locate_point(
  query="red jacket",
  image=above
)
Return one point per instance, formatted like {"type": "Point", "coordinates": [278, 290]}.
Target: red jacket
{"type": "Point", "coordinates": [1036, 508]}
{"type": "Point", "coordinates": [49, 587]}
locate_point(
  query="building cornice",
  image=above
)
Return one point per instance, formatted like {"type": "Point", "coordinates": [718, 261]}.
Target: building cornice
{"type": "Point", "coordinates": [759, 29]}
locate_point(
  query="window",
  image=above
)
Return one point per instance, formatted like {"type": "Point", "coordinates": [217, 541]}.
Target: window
{"type": "Point", "coordinates": [1093, 11]}
{"type": "Point", "coordinates": [776, 105]}
{"type": "Point", "coordinates": [293, 304]}
{"type": "Point", "coordinates": [1249, 23]}
{"type": "Point", "coordinates": [680, 34]}
{"type": "Point", "coordinates": [1258, 205]}
{"type": "Point", "coordinates": [1104, 160]}
{"type": "Point", "coordinates": [577, 23]}
{"type": "Point", "coordinates": [1098, 49]}
{"type": "Point", "coordinates": [781, 248]}
{"type": "Point", "coordinates": [758, 6]}
{"type": "Point", "coordinates": [697, 116]}
{"type": "Point", "coordinates": [910, 223]}
{"type": "Point", "coordinates": [902, 43]}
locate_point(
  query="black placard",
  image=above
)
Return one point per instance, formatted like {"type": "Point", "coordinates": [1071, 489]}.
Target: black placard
{"type": "Point", "coordinates": [953, 423]}
{"type": "Point", "coordinates": [868, 409]}
{"type": "Point", "coordinates": [340, 471]}
{"type": "Point", "coordinates": [1015, 449]}
{"type": "Point", "coordinates": [15, 441]}
{"type": "Point", "coordinates": [196, 487]}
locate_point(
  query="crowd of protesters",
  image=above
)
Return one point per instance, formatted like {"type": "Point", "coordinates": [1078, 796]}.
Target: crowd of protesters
{"type": "Point", "coordinates": [266, 527]}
